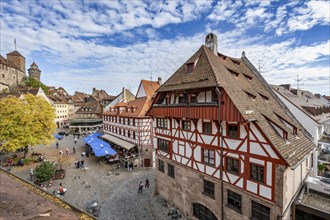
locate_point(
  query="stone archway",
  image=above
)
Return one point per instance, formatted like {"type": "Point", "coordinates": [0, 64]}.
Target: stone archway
{"type": "Point", "coordinates": [202, 212]}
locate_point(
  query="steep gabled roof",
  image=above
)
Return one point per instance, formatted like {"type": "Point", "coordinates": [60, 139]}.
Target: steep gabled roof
{"type": "Point", "coordinates": [15, 53]}
{"type": "Point", "coordinates": [149, 87]}
{"type": "Point", "coordinates": [251, 95]}
{"type": "Point", "coordinates": [93, 107]}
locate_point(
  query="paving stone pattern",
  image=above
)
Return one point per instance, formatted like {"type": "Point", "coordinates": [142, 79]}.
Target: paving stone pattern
{"type": "Point", "coordinates": [115, 190]}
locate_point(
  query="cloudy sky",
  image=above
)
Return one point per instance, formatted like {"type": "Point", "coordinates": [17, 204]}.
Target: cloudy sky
{"type": "Point", "coordinates": [112, 44]}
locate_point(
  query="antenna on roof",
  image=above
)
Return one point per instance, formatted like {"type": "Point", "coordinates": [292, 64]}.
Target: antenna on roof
{"type": "Point", "coordinates": [260, 67]}
{"type": "Point", "coordinates": [298, 80]}
{"type": "Point", "coordinates": [151, 76]}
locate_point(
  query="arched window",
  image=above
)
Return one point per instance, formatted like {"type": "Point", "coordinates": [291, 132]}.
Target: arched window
{"type": "Point", "coordinates": [203, 213]}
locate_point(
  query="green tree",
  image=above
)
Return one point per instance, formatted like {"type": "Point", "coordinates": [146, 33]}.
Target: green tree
{"type": "Point", "coordinates": [23, 122]}
{"type": "Point", "coordinates": [45, 171]}
{"type": "Point", "coordinates": [31, 82]}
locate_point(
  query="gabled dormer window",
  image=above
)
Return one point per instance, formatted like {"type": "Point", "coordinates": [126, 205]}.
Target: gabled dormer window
{"type": "Point", "coordinates": [250, 95]}
{"type": "Point", "coordinates": [233, 72]}
{"type": "Point", "coordinates": [288, 125]}
{"type": "Point", "coordinates": [264, 97]}
{"type": "Point", "coordinates": [278, 129]}
{"type": "Point", "coordinates": [190, 67]}
{"type": "Point", "coordinates": [247, 77]}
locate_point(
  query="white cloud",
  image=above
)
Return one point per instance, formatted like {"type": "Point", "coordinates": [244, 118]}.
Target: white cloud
{"type": "Point", "coordinates": [55, 30]}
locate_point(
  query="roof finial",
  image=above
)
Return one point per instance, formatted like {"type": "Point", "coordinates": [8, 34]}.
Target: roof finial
{"type": "Point", "coordinates": [15, 43]}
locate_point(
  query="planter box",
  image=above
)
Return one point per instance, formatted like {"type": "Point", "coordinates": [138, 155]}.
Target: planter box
{"type": "Point", "coordinates": [59, 174]}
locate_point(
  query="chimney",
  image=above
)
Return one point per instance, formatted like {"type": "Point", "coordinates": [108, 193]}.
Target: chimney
{"type": "Point", "coordinates": [160, 80]}
{"type": "Point", "coordinates": [211, 41]}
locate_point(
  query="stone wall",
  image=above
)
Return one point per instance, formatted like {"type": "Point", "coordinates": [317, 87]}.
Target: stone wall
{"type": "Point", "coordinates": [188, 185]}
{"type": "Point", "coordinates": [9, 76]}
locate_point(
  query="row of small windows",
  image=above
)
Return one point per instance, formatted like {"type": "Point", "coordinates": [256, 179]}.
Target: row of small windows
{"type": "Point", "coordinates": [234, 200]}
{"type": "Point", "coordinates": [232, 129]}
{"type": "Point", "coordinates": [61, 106]}
{"type": "Point", "coordinates": [62, 116]}
{"type": "Point", "coordinates": [120, 131]}
{"type": "Point", "coordinates": [120, 120]}
{"type": "Point", "coordinates": [185, 98]}
{"type": "Point", "coordinates": [64, 111]}
{"type": "Point", "coordinates": [87, 109]}
{"type": "Point", "coordinates": [231, 164]}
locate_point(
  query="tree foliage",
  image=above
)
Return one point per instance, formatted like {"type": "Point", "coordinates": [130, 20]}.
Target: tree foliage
{"type": "Point", "coordinates": [31, 82]}
{"type": "Point", "coordinates": [23, 122]}
{"type": "Point", "coordinates": [45, 171]}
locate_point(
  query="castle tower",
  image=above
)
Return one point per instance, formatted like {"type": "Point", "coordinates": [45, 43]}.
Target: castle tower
{"type": "Point", "coordinates": [211, 41]}
{"type": "Point", "coordinates": [16, 58]}
{"type": "Point", "coordinates": [34, 71]}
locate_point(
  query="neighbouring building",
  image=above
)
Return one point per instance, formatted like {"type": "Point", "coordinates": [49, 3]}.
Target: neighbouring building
{"type": "Point", "coordinates": [127, 125]}
{"type": "Point", "coordinates": [225, 147]}
{"type": "Point", "coordinates": [34, 91]}
{"type": "Point", "coordinates": [12, 70]}
{"type": "Point", "coordinates": [62, 104]}
{"type": "Point", "coordinates": [103, 97]}
{"type": "Point", "coordinates": [124, 96]}
{"type": "Point", "coordinates": [313, 113]}
{"type": "Point", "coordinates": [88, 117]}
{"type": "Point", "coordinates": [34, 71]}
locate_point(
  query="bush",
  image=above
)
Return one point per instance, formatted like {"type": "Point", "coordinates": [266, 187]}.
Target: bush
{"type": "Point", "coordinates": [45, 171]}
{"type": "Point", "coordinates": [322, 167]}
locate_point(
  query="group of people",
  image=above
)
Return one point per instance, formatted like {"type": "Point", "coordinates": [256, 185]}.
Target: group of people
{"type": "Point", "coordinates": [79, 163]}
{"type": "Point", "coordinates": [130, 166]}
{"type": "Point", "coordinates": [141, 186]}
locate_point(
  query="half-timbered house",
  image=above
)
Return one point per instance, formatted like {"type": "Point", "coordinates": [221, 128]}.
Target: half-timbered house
{"type": "Point", "coordinates": [127, 125]}
{"type": "Point", "coordinates": [225, 147]}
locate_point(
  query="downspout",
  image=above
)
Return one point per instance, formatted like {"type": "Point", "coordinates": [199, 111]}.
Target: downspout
{"type": "Point", "coordinates": [221, 151]}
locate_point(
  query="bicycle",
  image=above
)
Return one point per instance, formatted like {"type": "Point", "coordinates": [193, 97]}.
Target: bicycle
{"type": "Point", "coordinates": [162, 202]}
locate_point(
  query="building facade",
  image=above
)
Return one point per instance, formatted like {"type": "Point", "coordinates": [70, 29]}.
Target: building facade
{"type": "Point", "coordinates": [225, 147]}
{"type": "Point", "coordinates": [126, 123]}
{"type": "Point", "coordinates": [12, 70]}
{"type": "Point", "coordinates": [34, 71]}
{"type": "Point", "coordinates": [313, 113]}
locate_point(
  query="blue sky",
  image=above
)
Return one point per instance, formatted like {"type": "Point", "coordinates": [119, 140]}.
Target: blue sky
{"type": "Point", "coordinates": [108, 45]}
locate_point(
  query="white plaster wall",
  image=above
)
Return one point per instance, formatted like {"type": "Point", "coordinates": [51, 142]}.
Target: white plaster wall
{"type": "Point", "coordinates": [255, 148]}
{"type": "Point", "coordinates": [256, 133]}
{"type": "Point", "coordinates": [251, 186]}
{"type": "Point", "coordinates": [269, 174]}
{"type": "Point", "coordinates": [232, 143]}
{"type": "Point", "coordinates": [242, 132]}
{"type": "Point", "coordinates": [141, 92]}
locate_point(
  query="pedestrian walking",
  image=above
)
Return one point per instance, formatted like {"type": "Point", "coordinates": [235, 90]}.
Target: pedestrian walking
{"type": "Point", "coordinates": [75, 140]}
{"type": "Point", "coordinates": [67, 152]}
{"type": "Point", "coordinates": [83, 154]}
{"type": "Point", "coordinates": [147, 184]}
{"type": "Point", "coordinates": [56, 144]}
{"type": "Point", "coordinates": [61, 153]}
{"type": "Point", "coordinates": [82, 162]}
{"type": "Point", "coordinates": [77, 163]}
{"type": "Point", "coordinates": [31, 174]}
{"type": "Point", "coordinates": [74, 150]}
{"type": "Point", "coordinates": [140, 188]}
